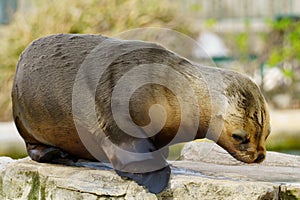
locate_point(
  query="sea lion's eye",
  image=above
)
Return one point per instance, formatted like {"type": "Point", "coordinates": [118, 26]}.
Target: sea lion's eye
{"type": "Point", "coordinates": [241, 136]}
{"type": "Point", "coordinates": [237, 137]}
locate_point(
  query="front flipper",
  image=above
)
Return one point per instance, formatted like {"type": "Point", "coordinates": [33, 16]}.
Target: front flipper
{"type": "Point", "coordinates": [154, 181]}
{"type": "Point", "coordinates": [139, 160]}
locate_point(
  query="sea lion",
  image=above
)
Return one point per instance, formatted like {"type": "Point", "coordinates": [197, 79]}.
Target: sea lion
{"type": "Point", "coordinates": [62, 79]}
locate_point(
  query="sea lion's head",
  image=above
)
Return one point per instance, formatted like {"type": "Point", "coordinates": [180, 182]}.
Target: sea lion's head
{"type": "Point", "coordinates": [246, 124]}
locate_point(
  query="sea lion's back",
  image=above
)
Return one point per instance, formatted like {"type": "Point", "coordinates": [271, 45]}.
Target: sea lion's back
{"type": "Point", "coordinates": [43, 84]}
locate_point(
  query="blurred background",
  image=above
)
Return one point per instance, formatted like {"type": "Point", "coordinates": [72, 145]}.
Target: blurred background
{"type": "Point", "coordinates": [257, 38]}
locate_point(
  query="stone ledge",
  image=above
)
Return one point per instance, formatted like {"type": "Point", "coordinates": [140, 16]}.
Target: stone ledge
{"type": "Point", "coordinates": [205, 179]}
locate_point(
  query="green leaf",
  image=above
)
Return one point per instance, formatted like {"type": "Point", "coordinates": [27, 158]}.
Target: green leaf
{"type": "Point", "coordinates": [288, 72]}
{"type": "Point", "coordinates": [196, 7]}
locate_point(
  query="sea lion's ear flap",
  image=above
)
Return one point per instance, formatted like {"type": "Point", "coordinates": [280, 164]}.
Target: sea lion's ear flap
{"type": "Point", "coordinates": [154, 181]}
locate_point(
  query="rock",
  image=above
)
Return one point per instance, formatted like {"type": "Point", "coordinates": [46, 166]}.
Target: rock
{"type": "Point", "coordinates": [212, 175]}
{"type": "Point", "coordinates": [209, 152]}
{"type": "Point", "coordinates": [211, 189]}
{"type": "Point", "coordinates": [26, 179]}
{"type": "Point", "coordinates": [214, 161]}
{"type": "Point", "coordinates": [5, 161]}
{"type": "Point", "coordinates": [280, 170]}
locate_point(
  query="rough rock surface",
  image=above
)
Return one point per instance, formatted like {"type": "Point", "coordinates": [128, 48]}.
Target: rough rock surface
{"type": "Point", "coordinates": [205, 172]}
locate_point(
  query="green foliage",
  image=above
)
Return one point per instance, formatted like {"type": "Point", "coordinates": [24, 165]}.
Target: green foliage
{"type": "Point", "coordinates": [242, 42]}
{"type": "Point", "coordinates": [275, 57]}
{"type": "Point", "coordinates": [282, 24]}
{"type": "Point", "coordinates": [285, 42]}
{"type": "Point", "coordinates": [106, 17]}
{"type": "Point", "coordinates": [287, 143]}
{"type": "Point", "coordinates": [195, 7]}
{"type": "Point", "coordinates": [210, 23]}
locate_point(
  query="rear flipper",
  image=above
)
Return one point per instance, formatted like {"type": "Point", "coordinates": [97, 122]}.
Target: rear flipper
{"type": "Point", "coordinates": [48, 154]}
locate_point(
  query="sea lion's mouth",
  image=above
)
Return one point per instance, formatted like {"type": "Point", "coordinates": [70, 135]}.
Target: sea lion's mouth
{"type": "Point", "coordinates": [248, 157]}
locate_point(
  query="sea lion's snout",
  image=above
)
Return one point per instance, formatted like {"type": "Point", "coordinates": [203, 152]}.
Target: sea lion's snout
{"type": "Point", "coordinates": [260, 158]}
{"type": "Point", "coordinates": [260, 153]}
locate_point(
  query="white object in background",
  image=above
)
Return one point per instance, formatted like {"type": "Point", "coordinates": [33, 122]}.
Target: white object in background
{"type": "Point", "coordinates": [274, 78]}
{"type": "Point", "coordinates": [212, 44]}
{"type": "Point", "coordinates": [10, 138]}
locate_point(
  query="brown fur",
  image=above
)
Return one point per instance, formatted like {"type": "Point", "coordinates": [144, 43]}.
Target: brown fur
{"type": "Point", "coordinates": [42, 96]}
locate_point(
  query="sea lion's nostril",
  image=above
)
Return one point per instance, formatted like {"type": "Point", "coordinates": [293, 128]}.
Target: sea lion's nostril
{"type": "Point", "coordinates": [260, 158]}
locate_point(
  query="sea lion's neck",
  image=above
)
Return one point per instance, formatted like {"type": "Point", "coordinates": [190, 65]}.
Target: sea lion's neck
{"type": "Point", "coordinates": [212, 102]}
